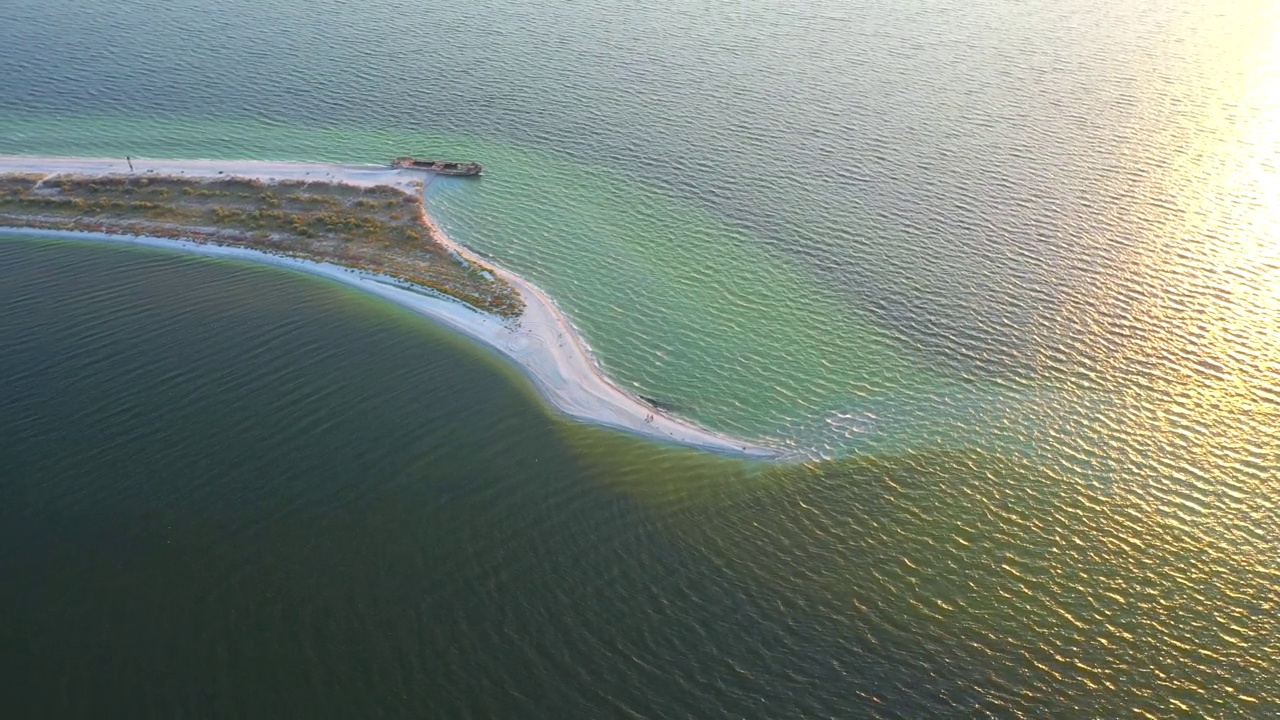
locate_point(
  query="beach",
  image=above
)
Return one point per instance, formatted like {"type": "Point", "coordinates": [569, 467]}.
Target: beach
{"type": "Point", "coordinates": [542, 342]}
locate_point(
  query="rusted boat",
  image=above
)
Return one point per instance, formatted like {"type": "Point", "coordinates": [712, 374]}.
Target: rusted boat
{"type": "Point", "coordinates": [440, 167]}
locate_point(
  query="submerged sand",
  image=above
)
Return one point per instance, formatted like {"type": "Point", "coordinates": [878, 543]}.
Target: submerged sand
{"type": "Point", "coordinates": [543, 343]}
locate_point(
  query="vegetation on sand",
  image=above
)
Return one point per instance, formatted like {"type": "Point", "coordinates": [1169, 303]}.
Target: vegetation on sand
{"type": "Point", "coordinates": [380, 229]}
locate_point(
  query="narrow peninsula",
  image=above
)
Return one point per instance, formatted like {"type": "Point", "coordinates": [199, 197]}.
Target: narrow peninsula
{"type": "Point", "coordinates": [365, 226]}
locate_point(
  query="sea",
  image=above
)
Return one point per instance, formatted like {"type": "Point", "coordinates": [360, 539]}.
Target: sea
{"type": "Point", "coordinates": [1001, 278]}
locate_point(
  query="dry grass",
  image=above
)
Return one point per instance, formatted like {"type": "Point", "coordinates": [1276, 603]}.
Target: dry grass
{"type": "Point", "coordinates": [382, 229]}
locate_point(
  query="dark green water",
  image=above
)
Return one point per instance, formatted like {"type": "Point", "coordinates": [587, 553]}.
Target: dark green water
{"type": "Point", "coordinates": [1007, 271]}
{"type": "Point", "coordinates": [235, 490]}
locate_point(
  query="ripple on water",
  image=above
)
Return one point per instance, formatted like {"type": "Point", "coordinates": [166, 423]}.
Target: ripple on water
{"type": "Point", "coordinates": [1004, 273]}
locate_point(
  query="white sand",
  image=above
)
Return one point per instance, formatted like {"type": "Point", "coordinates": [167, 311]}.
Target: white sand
{"type": "Point", "coordinates": [544, 343]}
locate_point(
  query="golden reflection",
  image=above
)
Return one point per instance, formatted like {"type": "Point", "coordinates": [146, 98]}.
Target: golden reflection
{"type": "Point", "coordinates": [1210, 251]}
{"type": "Point", "coordinates": [1190, 433]}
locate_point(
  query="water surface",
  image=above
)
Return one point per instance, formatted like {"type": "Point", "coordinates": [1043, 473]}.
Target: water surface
{"type": "Point", "coordinates": [1007, 272]}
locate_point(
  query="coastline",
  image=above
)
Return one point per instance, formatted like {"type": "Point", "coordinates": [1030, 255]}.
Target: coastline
{"type": "Point", "coordinates": [543, 342]}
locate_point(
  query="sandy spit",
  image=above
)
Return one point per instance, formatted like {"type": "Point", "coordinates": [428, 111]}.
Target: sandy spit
{"type": "Point", "coordinates": [543, 343]}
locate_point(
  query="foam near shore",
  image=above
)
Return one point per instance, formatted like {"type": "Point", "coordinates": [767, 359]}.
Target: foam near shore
{"type": "Point", "coordinates": [542, 342]}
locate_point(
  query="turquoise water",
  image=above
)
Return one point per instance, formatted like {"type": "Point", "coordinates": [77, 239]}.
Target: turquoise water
{"type": "Point", "coordinates": [1005, 273]}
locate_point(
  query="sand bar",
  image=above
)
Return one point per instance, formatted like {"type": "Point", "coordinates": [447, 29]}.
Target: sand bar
{"type": "Point", "coordinates": [543, 343]}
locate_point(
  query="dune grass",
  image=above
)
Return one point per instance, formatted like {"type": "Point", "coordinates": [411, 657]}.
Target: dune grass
{"type": "Point", "coordinates": [381, 229]}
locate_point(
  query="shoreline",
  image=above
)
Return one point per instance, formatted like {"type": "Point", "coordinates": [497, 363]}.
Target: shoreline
{"type": "Point", "coordinates": [542, 342]}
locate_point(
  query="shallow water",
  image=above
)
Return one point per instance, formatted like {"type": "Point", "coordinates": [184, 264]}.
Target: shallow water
{"type": "Point", "coordinates": [1008, 272]}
